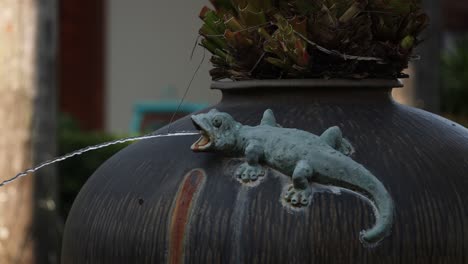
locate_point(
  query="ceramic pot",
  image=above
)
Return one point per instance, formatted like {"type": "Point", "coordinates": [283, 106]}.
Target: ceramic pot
{"type": "Point", "coordinates": [158, 202]}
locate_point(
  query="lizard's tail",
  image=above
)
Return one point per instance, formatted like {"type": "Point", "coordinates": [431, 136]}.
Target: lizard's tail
{"type": "Point", "coordinates": [384, 206]}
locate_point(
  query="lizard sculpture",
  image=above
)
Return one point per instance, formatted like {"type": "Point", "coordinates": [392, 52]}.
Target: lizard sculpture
{"type": "Point", "coordinates": [302, 155]}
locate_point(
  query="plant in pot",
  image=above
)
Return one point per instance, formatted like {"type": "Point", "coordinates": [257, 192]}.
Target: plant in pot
{"type": "Point", "coordinates": [307, 111]}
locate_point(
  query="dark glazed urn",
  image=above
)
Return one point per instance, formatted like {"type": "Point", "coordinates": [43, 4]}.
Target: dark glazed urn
{"type": "Point", "coordinates": [158, 202]}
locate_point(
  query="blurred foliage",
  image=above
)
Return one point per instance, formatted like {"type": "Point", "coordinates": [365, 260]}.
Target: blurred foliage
{"type": "Point", "coordinates": [454, 94]}
{"type": "Point", "coordinates": [74, 172]}
{"type": "Point", "coordinates": [271, 39]}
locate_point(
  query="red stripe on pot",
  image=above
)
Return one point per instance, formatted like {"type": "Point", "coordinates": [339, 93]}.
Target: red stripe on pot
{"type": "Point", "coordinates": [185, 200]}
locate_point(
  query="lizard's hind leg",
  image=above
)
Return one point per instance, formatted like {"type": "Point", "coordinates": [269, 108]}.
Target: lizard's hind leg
{"type": "Point", "coordinates": [334, 137]}
{"type": "Point", "coordinates": [299, 193]}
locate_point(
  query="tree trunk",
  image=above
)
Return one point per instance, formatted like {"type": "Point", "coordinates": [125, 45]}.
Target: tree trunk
{"type": "Point", "coordinates": [17, 86]}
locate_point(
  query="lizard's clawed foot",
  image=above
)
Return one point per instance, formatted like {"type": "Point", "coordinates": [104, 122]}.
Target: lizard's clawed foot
{"type": "Point", "coordinates": [298, 197]}
{"type": "Point", "coordinates": [248, 173]}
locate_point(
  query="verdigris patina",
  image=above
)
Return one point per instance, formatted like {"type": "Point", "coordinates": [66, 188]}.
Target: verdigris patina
{"type": "Point", "coordinates": [302, 155]}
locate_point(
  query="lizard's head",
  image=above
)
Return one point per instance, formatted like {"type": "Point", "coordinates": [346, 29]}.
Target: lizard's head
{"type": "Point", "coordinates": [218, 131]}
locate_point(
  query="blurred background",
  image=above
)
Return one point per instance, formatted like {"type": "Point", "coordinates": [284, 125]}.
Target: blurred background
{"type": "Point", "coordinates": [79, 72]}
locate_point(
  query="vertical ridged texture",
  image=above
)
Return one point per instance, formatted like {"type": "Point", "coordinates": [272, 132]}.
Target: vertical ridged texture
{"type": "Point", "coordinates": [420, 158]}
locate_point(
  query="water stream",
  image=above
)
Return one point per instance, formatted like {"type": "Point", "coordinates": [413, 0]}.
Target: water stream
{"type": "Point", "coordinates": [91, 148]}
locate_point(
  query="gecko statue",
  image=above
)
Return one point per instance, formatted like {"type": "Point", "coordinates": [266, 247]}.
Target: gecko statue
{"type": "Point", "coordinates": [299, 154]}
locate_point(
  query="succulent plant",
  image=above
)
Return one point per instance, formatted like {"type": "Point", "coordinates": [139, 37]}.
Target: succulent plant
{"type": "Point", "coordinates": [268, 39]}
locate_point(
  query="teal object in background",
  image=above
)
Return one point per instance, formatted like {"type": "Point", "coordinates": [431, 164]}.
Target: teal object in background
{"type": "Point", "coordinates": [149, 116]}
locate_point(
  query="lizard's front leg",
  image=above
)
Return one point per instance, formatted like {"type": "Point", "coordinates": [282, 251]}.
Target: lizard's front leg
{"type": "Point", "coordinates": [251, 170]}
{"type": "Point", "coordinates": [298, 194]}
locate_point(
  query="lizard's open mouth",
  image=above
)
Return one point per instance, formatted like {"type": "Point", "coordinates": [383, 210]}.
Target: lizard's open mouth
{"type": "Point", "coordinates": [204, 142]}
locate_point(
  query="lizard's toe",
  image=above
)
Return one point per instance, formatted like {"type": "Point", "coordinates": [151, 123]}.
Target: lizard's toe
{"type": "Point", "coordinates": [288, 195]}
{"type": "Point", "coordinates": [256, 173]}
{"type": "Point", "coordinates": [253, 176]}
{"type": "Point", "coordinates": [240, 171]}
{"type": "Point", "coordinates": [297, 197]}
{"type": "Point", "coordinates": [261, 172]}
{"type": "Point", "coordinates": [245, 177]}
{"type": "Point", "coordinates": [247, 173]}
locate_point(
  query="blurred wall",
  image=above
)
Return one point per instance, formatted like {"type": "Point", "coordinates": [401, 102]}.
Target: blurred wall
{"type": "Point", "coordinates": [148, 48]}
{"type": "Point", "coordinates": [81, 61]}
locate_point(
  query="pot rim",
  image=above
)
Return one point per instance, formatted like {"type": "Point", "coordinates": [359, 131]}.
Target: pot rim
{"type": "Point", "coordinates": [307, 83]}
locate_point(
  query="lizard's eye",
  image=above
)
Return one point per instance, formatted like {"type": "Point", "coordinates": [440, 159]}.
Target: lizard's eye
{"type": "Point", "coordinates": [217, 122]}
